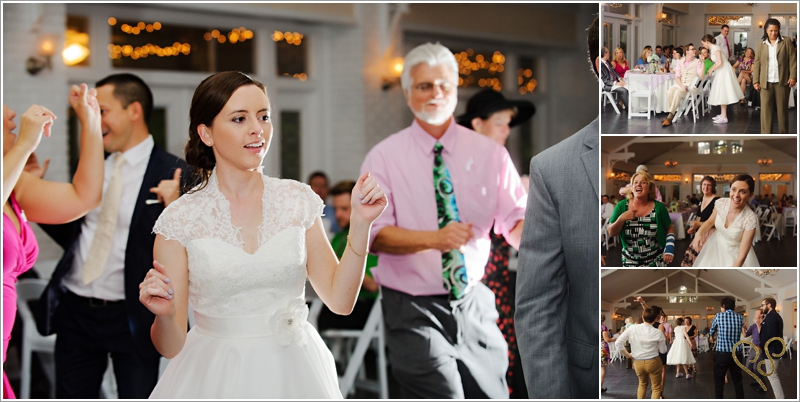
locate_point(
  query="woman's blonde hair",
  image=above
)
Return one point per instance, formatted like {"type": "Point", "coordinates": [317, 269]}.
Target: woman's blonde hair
{"type": "Point", "coordinates": [644, 53]}
{"type": "Point", "coordinates": [651, 195]}
{"type": "Point", "coordinates": [624, 60]}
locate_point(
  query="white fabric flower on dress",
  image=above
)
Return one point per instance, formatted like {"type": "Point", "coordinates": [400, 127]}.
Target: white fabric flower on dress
{"type": "Point", "coordinates": [289, 323]}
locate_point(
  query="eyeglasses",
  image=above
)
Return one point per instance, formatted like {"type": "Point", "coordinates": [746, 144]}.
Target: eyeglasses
{"type": "Point", "coordinates": [428, 86]}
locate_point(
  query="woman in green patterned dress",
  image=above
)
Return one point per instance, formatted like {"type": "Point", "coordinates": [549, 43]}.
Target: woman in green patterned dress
{"type": "Point", "coordinates": [644, 226]}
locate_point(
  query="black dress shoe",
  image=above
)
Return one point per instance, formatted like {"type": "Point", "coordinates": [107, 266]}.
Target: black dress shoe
{"type": "Point", "coordinates": [604, 389]}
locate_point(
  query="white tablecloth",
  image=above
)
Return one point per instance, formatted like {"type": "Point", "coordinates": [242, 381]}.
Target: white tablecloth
{"type": "Point", "coordinates": [678, 225]}
{"type": "Point", "coordinates": [657, 84]}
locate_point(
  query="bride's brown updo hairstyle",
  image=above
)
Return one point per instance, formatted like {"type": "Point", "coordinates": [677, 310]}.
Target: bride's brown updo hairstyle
{"type": "Point", "coordinates": [208, 100]}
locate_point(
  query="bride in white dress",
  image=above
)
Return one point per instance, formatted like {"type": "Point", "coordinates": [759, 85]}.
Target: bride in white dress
{"type": "Point", "coordinates": [725, 88]}
{"type": "Point", "coordinates": [731, 244]}
{"type": "Point", "coordinates": [238, 249]}
{"type": "Point", "coordinates": [680, 354]}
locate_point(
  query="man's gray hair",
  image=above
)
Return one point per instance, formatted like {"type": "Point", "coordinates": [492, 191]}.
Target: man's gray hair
{"type": "Point", "coordinates": [433, 55]}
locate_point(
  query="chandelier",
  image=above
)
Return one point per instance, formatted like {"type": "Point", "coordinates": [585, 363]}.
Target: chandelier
{"type": "Point", "coordinates": [670, 163]}
{"type": "Point", "coordinates": [709, 308]}
{"type": "Point", "coordinates": [764, 272]}
{"type": "Point", "coordinates": [764, 162]}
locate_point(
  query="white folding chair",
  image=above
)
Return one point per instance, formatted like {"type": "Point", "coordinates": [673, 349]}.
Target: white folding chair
{"type": "Point", "coordinates": [633, 97]}
{"type": "Point", "coordinates": [706, 93]}
{"type": "Point", "coordinates": [689, 221]}
{"type": "Point", "coordinates": [788, 340]}
{"type": "Point", "coordinates": [791, 221]}
{"type": "Point", "coordinates": [371, 334]}
{"type": "Point", "coordinates": [32, 341]}
{"type": "Point", "coordinates": [772, 227]}
{"type": "Point", "coordinates": [687, 102]}
{"type": "Point", "coordinates": [610, 97]}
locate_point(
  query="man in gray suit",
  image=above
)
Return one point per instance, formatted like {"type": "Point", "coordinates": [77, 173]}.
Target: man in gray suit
{"type": "Point", "coordinates": [557, 325]}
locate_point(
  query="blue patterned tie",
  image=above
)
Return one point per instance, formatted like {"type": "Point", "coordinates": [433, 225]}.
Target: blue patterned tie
{"type": "Point", "coordinates": [454, 269]}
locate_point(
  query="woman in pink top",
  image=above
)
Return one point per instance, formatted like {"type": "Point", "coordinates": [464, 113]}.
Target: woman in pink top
{"type": "Point", "coordinates": [620, 63]}
{"type": "Point", "coordinates": [42, 201]}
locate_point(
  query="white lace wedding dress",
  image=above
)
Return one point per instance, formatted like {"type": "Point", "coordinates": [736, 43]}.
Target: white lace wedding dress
{"type": "Point", "coordinates": [722, 247]}
{"type": "Point", "coordinates": [681, 350]}
{"type": "Point", "coordinates": [725, 87]}
{"type": "Point", "coordinates": [251, 338]}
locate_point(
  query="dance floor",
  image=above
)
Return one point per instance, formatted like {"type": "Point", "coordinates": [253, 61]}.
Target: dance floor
{"type": "Point", "coordinates": [623, 383]}
{"type": "Point", "coordinates": [773, 253]}
{"type": "Point", "coordinates": [741, 120]}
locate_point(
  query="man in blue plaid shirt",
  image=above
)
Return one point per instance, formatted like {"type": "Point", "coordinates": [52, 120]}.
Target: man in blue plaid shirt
{"type": "Point", "coordinates": [728, 327]}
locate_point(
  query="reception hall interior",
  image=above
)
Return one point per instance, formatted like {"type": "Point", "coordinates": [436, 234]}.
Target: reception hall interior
{"type": "Point", "coordinates": [697, 294]}
{"type": "Point", "coordinates": [628, 28]}
{"type": "Point", "coordinates": [679, 165]}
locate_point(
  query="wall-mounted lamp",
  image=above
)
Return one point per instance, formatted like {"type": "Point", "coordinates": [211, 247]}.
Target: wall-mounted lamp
{"type": "Point", "coordinates": [760, 24]}
{"type": "Point", "coordinates": [392, 76]}
{"type": "Point", "coordinates": [662, 17]}
{"type": "Point", "coordinates": [670, 163]}
{"type": "Point", "coordinates": [76, 47]}
{"type": "Point", "coordinates": [45, 48]}
{"type": "Point", "coordinates": [686, 180]}
{"type": "Point", "coordinates": [764, 162]}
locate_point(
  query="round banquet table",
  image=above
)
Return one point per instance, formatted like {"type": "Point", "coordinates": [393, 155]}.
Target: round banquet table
{"type": "Point", "coordinates": [657, 84]}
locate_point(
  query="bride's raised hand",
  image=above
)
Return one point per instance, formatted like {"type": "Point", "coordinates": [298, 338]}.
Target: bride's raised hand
{"type": "Point", "coordinates": [368, 199]}
{"type": "Point", "coordinates": [155, 292]}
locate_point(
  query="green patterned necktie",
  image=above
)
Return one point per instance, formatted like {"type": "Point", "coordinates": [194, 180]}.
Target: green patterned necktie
{"type": "Point", "coordinates": [454, 270]}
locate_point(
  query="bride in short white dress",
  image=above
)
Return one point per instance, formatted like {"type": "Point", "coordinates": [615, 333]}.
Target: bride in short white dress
{"type": "Point", "coordinates": [681, 351]}
{"type": "Point", "coordinates": [722, 247]}
{"type": "Point", "coordinates": [725, 88]}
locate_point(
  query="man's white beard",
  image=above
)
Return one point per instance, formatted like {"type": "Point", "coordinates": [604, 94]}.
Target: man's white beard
{"type": "Point", "coordinates": [437, 118]}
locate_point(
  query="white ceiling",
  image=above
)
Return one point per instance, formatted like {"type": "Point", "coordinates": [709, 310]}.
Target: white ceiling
{"type": "Point", "coordinates": [741, 283]}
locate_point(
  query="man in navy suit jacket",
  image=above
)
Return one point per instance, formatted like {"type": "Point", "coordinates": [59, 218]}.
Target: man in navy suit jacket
{"type": "Point", "coordinates": [95, 317]}
{"type": "Point", "coordinates": [772, 327]}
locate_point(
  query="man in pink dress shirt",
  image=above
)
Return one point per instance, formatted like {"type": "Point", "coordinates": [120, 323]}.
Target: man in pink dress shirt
{"type": "Point", "coordinates": [441, 345]}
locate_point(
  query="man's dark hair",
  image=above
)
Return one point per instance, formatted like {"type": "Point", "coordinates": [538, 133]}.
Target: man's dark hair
{"type": "Point", "coordinates": [649, 315]}
{"type": "Point", "coordinates": [342, 187]}
{"type": "Point", "coordinates": [726, 26]}
{"type": "Point", "coordinates": [129, 88]}
{"type": "Point", "coordinates": [318, 173]}
{"type": "Point", "coordinates": [659, 47]}
{"type": "Point", "coordinates": [728, 302]}
{"type": "Point", "coordinates": [771, 301]}
{"type": "Point", "coordinates": [679, 51]}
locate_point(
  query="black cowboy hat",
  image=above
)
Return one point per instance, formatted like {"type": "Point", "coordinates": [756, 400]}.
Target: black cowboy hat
{"type": "Point", "coordinates": [489, 101]}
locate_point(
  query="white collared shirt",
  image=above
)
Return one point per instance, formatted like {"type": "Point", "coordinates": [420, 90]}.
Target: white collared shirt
{"type": "Point", "coordinates": [772, 70]}
{"type": "Point", "coordinates": [111, 285]}
{"type": "Point", "coordinates": [646, 341]}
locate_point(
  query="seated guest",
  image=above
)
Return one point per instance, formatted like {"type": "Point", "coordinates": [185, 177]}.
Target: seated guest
{"type": "Point", "coordinates": [620, 63]}
{"type": "Point", "coordinates": [744, 67]}
{"type": "Point", "coordinates": [660, 54]}
{"type": "Point", "coordinates": [646, 52]}
{"type": "Point", "coordinates": [755, 201]}
{"type": "Point", "coordinates": [685, 72]}
{"type": "Point", "coordinates": [319, 183]}
{"type": "Point", "coordinates": [606, 208]}
{"type": "Point", "coordinates": [340, 194]}
{"type": "Point", "coordinates": [611, 80]}
{"type": "Point", "coordinates": [707, 62]}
